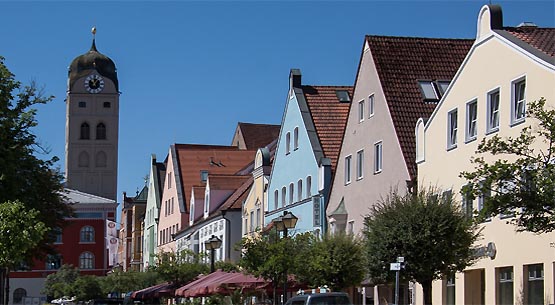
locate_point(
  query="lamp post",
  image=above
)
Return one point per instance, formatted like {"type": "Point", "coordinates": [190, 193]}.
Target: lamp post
{"type": "Point", "coordinates": [212, 244]}
{"type": "Point", "coordinates": [285, 223]}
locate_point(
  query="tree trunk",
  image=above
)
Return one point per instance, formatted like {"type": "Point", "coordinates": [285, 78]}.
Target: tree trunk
{"type": "Point", "coordinates": [427, 292]}
{"type": "Point", "coordinates": [2, 281]}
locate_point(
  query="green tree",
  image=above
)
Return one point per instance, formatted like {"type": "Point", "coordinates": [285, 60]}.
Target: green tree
{"type": "Point", "coordinates": [20, 232]}
{"type": "Point", "coordinates": [336, 260]}
{"type": "Point", "coordinates": [24, 176]}
{"type": "Point", "coordinates": [522, 179]}
{"type": "Point", "coordinates": [429, 231]}
{"type": "Point", "coordinates": [123, 282]}
{"type": "Point", "coordinates": [180, 268]}
{"type": "Point", "coordinates": [86, 287]}
{"type": "Point", "coordinates": [59, 284]}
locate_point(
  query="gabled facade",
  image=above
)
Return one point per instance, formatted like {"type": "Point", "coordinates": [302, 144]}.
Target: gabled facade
{"type": "Point", "coordinates": [189, 165]}
{"type": "Point", "coordinates": [155, 183]}
{"type": "Point", "coordinates": [131, 230]}
{"type": "Point", "coordinates": [255, 204]}
{"type": "Point", "coordinates": [506, 68]}
{"type": "Point", "coordinates": [399, 80]}
{"type": "Point", "coordinates": [309, 141]}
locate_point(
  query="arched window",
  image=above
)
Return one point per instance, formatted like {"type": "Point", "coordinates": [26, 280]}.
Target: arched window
{"type": "Point", "coordinates": [300, 190]}
{"type": "Point", "coordinates": [287, 143]}
{"type": "Point", "coordinates": [296, 138]}
{"type": "Point", "coordinates": [101, 131]}
{"type": "Point", "coordinates": [83, 159]}
{"type": "Point", "coordinates": [276, 199]}
{"type": "Point", "coordinates": [18, 295]}
{"type": "Point", "coordinates": [101, 159]}
{"type": "Point", "coordinates": [87, 234]}
{"type": "Point", "coordinates": [308, 186]}
{"type": "Point", "coordinates": [86, 260]}
{"type": "Point", "coordinates": [291, 192]}
{"type": "Point", "coordinates": [283, 196]}
{"type": "Point", "coordinates": [85, 131]}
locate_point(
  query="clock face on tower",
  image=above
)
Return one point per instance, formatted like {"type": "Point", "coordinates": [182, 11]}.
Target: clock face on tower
{"type": "Point", "coordinates": [94, 83]}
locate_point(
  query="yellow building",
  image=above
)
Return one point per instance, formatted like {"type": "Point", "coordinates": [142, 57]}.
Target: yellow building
{"type": "Point", "coordinates": [506, 68]}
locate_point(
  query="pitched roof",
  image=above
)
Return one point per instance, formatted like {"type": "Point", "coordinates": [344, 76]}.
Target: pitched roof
{"type": "Point", "coordinates": [226, 182]}
{"type": "Point", "coordinates": [258, 135]}
{"type": "Point", "coordinates": [329, 116]}
{"type": "Point", "coordinates": [541, 39]}
{"type": "Point", "coordinates": [235, 201]}
{"type": "Point", "coordinates": [77, 197]}
{"type": "Point", "coordinates": [400, 63]}
{"type": "Point", "coordinates": [216, 159]}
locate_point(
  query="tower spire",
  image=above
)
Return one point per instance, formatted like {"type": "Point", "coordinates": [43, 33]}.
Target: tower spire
{"type": "Point", "coordinates": [93, 47]}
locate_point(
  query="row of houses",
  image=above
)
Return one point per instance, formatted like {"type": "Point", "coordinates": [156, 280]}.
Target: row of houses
{"type": "Point", "coordinates": [415, 115]}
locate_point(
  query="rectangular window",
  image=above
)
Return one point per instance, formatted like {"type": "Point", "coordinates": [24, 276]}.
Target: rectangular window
{"type": "Point", "coordinates": [351, 227]}
{"type": "Point", "coordinates": [251, 225]}
{"type": "Point", "coordinates": [169, 180]}
{"type": "Point", "coordinates": [257, 218]}
{"type": "Point", "coordinates": [518, 101]}
{"type": "Point", "coordinates": [300, 190]}
{"type": "Point", "coordinates": [82, 104]}
{"type": "Point", "coordinates": [471, 120]}
{"type": "Point", "coordinates": [452, 129]}
{"type": "Point", "coordinates": [348, 169]}
{"type": "Point", "coordinates": [378, 157]}
{"type": "Point", "coordinates": [361, 111]}
{"type": "Point", "coordinates": [493, 111]}
{"type": "Point", "coordinates": [428, 90]}
{"type": "Point", "coordinates": [450, 291]}
{"type": "Point", "coordinates": [505, 285]}
{"type": "Point", "coordinates": [481, 200]}
{"type": "Point", "coordinates": [203, 175]}
{"type": "Point", "coordinates": [468, 205]}
{"type": "Point", "coordinates": [308, 186]}
{"type": "Point", "coordinates": [534, 291]}
{"type": "Point", "coordinates": [360, 164]}
{"type": "Point", "coordinates": [371, 105]}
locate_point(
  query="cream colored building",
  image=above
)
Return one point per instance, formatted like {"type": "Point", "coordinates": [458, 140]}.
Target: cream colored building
{"type": "Point", "coordinates": [506, 68]}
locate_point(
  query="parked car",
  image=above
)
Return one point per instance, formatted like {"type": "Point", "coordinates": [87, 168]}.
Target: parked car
{"type": "Point", "coordinates": [328, 298]}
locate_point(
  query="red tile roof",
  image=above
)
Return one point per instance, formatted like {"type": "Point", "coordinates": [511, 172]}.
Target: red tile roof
{"type": "Point", "coordinates": [235, 201]}
{"type": "Point", "coordinates": [542, 39]}
{"type": "Point", "coordinates": [192, 158]}
{"type": "Point", "coordinates": [258, 135]}
{"type": "Point", "coordinates": [400, 63]}
{"type": "Point", "coordinates": [329, 116]}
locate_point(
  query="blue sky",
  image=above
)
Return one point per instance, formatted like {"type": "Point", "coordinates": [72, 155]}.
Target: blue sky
{"type": "Point", "coordinates": [190, 70]}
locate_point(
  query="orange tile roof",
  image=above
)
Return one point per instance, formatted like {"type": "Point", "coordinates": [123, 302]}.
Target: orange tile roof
{"type": "Point", "coordinates": [226, 182]}
{"type": "Point", "coordinates": [400, 63]}
{"type": "Point", "coordinates": [235, 201]}
{"type": "Point", "coordinates": [329, 116]}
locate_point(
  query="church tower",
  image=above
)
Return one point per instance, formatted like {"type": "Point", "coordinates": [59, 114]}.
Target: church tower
{"type": "Point", "coordinates": [92, 118]}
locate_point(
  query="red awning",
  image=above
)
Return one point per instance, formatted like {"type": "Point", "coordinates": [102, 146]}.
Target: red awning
{"type": "Point", "coordinates": [156, 291]}
{"type": "Point", "coordinates": [220, 282]}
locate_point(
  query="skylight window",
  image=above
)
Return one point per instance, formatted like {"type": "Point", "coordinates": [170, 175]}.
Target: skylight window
{"type": "Point", "coordinates": [343, 95]}
{"type": "Point", "coordinates": [433, 90]}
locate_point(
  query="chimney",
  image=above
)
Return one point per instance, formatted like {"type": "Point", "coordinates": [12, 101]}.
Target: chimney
{"type": "Point", "coordinates": [295, 78]}
{"type": "Point", "coordinates": [527, 24]}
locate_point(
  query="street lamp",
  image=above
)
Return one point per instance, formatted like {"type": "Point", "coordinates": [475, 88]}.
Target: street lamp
{"type": "Point", "coordinates": [284, 223]}
{"type": "Point", "coordinates": [212, 244]}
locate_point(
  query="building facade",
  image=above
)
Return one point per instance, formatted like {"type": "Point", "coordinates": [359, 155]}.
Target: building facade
{"type": "Point", "coordinates": [150, 235]}
{"type": "Point", "coordinates": [517, 268]}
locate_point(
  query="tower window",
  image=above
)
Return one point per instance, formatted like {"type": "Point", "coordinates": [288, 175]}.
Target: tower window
{"type": "Point", "coordinates": [107, 105]}
{"type": "Point", "coordinates": [83, 159]}
{"type": "Point", "coordinates": [85, 131]}
{"type": "Point", "coordinates": [101, 131]}
{"type": "Point", "coordinates": [82, 104]}
{"type": "Point", "coordinates": [101, 159]}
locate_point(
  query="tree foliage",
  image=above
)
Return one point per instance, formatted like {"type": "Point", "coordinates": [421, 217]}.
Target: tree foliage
{"type": "Point", "coordinates": [24, 176]}
{"type": "Point", "coordinates": [522, 179]}
{"type": "Point", "coordinates": [123, 282]}
{"type": "Point", "coordinates": [429, 231]}
{"type": "Point", "coordinates": [59, 284]}
{"type": "Point", "coordinates": [86, 287]}
{"type": "Point", "coordinates": [20, 232]}
{"type": "Point", "coordinates": [180, 268]}
{"type": "Point", "coordinates": [334, 260]}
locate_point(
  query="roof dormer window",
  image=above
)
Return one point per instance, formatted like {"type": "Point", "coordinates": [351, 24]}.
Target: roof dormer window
{"type": "Point", "coordinates": [431, 90]}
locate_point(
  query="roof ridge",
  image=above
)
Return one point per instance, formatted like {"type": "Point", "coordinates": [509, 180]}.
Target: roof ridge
{"type": "Point", "coordinates": [419, 37]}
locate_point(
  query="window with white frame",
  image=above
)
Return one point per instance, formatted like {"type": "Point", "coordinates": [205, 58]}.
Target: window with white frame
{"type": "Point", "coordinates": [505, 285]}
{"type": "Point", "coordinates": [287, 143]}
{"type": "Point", "coordinates": [308, 186]}
{"type": "Point", "coordinates": [86, 260]}
{"type": "Point", "coordinates": [360, 164]}
{"type": "Point", "coordinates": [481, 201]}
{"type": "Point", "coordinates": [471, 120]}
{"type": "Point", "coordinates": [378, 157]}
{"type": "Point", "coordinates": [518, 101]}
{"type": "Point", "coordinates": [351, 227]}
{"type": "Point", "coordinates": [348, 169]}
{"type": "Point", "coordinates": [283, 196]}
{"type": "Point", "coordinates": [296, 138]}
{"type": "Point", "coordinates": [468, 204]}
{"type": "Point", "coordinates": [251, 221]}
{"type": "Point", "coordinates": [300, 190]}
{"type": "Point", "coordinates": [450, 290]}
{"type": "Point", "coordinates": [291, 192]}
{"type": "Point", "coordinates": [87, 234]}
{"type": "Point", "coordinates": [257, 218]}
{"type": "Point", "coordinates": [371, 105]}
{"type": "Point", "coordinates": [492, 123]}
{"type": "Point", "coordinates": [361, 111]}
{"type": "Point", "coordinates": [452, 129]}
{"type": "Point", "coordinates": [534, 290]}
